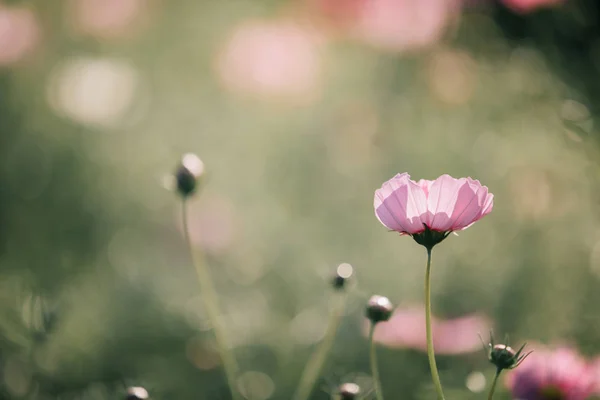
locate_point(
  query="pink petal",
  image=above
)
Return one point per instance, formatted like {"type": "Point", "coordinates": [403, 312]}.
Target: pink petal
{"type": "Point", "coordinates": [524, 6]}
{"type": "Point", "coordinates": [400, 203]}
{"type": "Point", "coordinates": [460, 335]}
{"type": "Point", "coordinates": [406, 329]}
{"type": "Point", "coordinates": [469, 204]}
{"type": "Point", "coordinates": [425, 185]}
{"type": "Point", "coordinates": [487, 205]}
{"type": "Point", "coordinates": [441, 202]}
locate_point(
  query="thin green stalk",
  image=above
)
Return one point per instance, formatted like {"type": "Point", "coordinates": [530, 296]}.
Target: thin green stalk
{"type": "Point", "coordinates": [430, 352]}
{"type": "Point", "coordinates": [491, 394]}
{"type": "Point", "coordinates": [374, 367]}
{"type": "Point", "coordinates": [315, 364]}
{"type": "Point", "coordinates": [209, 296]}
{"type": "Point", "coordinates": [30, 394]}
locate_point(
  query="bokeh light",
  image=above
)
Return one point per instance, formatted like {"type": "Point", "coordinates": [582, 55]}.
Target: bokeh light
{"type": "Point", "coordinates": [19, 33]}
{"type": "Point", "coordinates": [276, 58]}
{"type": "Point", "coordinates": [96, 92]}
{"type": "Point", "coordinates": [108, 19]}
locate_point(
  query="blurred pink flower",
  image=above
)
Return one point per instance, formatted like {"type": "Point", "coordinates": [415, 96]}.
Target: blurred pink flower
{"type": "Point", "coordinates": [524, 6]}
{"type": "Point", "coordinates": [338, 12]}
{"type": "Point", "coordinates": [279, 58]}
{"type": "Point", "coordinates": [105, 19]}
{"type": "Point", "coordinates": [19, 34]}
{"type": "Point", "coordinates": [596, 367]}
{"type": "Point", "coordinates": [444, 205]}
{"type": "Point", "coordinates": [212, 223]}
{"type": "Point", "coordinates": [394, 25]}
{"type": "Point", "coordinates": [553, 374]}
{"type": "Point", "coordinates": [406, 329]}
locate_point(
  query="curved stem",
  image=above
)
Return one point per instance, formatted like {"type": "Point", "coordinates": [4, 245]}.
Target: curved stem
{"type": "Point", "coordinates": [317, 360]}
{"type": "Point", "coordinates": [209, 296]}
{"type": "Point", "coordinates": [491, 394]}
{"type": "Point", "coordinates": [430, 352]}
{"type": "Point", "coordinates": [374, 367]}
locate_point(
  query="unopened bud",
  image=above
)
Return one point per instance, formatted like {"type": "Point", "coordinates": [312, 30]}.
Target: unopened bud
{"type": "Point", "coordinates": [188, 174]}
{"type": "Point", "coordinates": [136, 393]}
{"type": "Point", "coordinates": [348, 391]}
{"type": "Point", "coordinates": [503, 356]}
{"type": "Point", "coordinates": [342, 274]}
{"type": "Point", "coordinates": [379, 309]}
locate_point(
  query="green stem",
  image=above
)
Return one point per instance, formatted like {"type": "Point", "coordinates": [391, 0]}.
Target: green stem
{"type": "Point", "coordinates": [315, 364]}
{"type": "Point", "coordinates": [430, 352]}
{"type": "Point", "coordinates": [211, 303]}
{"type": "Point", "coordinates": [491, 394]}
{"type": "Point", "coordinates": [30, 394]}
{"type": "Point", "coordinates": [374, 368]}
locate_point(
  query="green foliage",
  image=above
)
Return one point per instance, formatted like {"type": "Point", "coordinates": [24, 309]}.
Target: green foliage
{"type": "Point", "coordinates": [87, 226]}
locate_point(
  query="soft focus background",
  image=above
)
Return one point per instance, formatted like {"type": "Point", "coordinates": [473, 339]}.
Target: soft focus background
{"type": "Point", "coordinates": [300, 109]}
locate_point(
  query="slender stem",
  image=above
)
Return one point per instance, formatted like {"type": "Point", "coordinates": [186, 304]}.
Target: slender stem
{"type": "Point", "coordinates": [430, 352]}
{"type": "Point", "coordinates": [374, 368]}
{"type": "Point", "coordinates": [212, 308]}
{"type": "Point", "coordinates": [491, 394]}
{"type": "Point", "coordinates": [312, 370]}
{"type": "Point", "coordinates": [33, 346]}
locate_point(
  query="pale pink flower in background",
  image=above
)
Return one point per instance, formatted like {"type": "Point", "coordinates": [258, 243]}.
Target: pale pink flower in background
{"type": "Point", "coordinates": [549, 374]}
{"type": "Point", "coordinates": [106, 19]}
{"type": "Point", "coordinates": [524, 6]}
{"type": "Point", "coordinates": [406, 329]}
{"type": "Point", "coordinates": [533, 193]}
{"type": "Point", "coordinates": [212, 223]}
{"type": "Point", "coordinates": [339, 13]}
{"type": "Point", "coordinates": [19, 34]}
{"type": "Point", "coordinates": [278, 58]}
{"type": "Point", "coordinates": [444, 205]}
{"type": "Point", "coordinates": [394, 25]}
{"type": "Point", "coordinates": [596, 368]}
{"type": "Point", "coordinates": [402, 24]}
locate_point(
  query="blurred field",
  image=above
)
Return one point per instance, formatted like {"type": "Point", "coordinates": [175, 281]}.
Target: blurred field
{"type": "Point", "coordinates": [299, 113]}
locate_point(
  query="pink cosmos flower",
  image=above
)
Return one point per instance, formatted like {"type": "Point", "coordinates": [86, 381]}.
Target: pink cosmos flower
{"type": "Point", "coordinates": [524, 6]}
{"type": "Point", "coordinates": [430, 210]}
{"type": "Point", "coordinates": [107, 19]}
{"type": "Point", "coordinates": [390, 25]}
{"type": "Point", "coordinates": [279, 59]}
{"type": "Point", "coordinates": [19, 34]}
{"type": "Point", "coordinates": [406, 329]}
{"type": "Point", "coordinates": [553, 374]}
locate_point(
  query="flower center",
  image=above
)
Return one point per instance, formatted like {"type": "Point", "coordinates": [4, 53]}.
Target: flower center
{"type": "Point", "coordinates": [551, 393]}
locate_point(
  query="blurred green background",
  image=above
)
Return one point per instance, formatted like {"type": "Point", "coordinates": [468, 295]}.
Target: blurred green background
{"type": "Point", "coordinates": [299, 109]}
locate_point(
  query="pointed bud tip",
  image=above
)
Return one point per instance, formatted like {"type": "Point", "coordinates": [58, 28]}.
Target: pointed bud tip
{"type": "Point", "coordinates": [379, 309]}
{"type": "Point", "coordinates": [188, 174]}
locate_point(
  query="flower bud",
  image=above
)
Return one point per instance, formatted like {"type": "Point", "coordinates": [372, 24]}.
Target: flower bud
{"type": "Point", "coordinates": [504, 356]}
{"type": "Point", "coordinates": [379, 309]}
{"type": "Point", "coordinates": [343, 273]}
{"type": "Point", "coordinates": [348, 391]}
{"type": "Point", "coordinates": [188, 174]}
{"type": "Point", "coordinates": [136, 393]}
